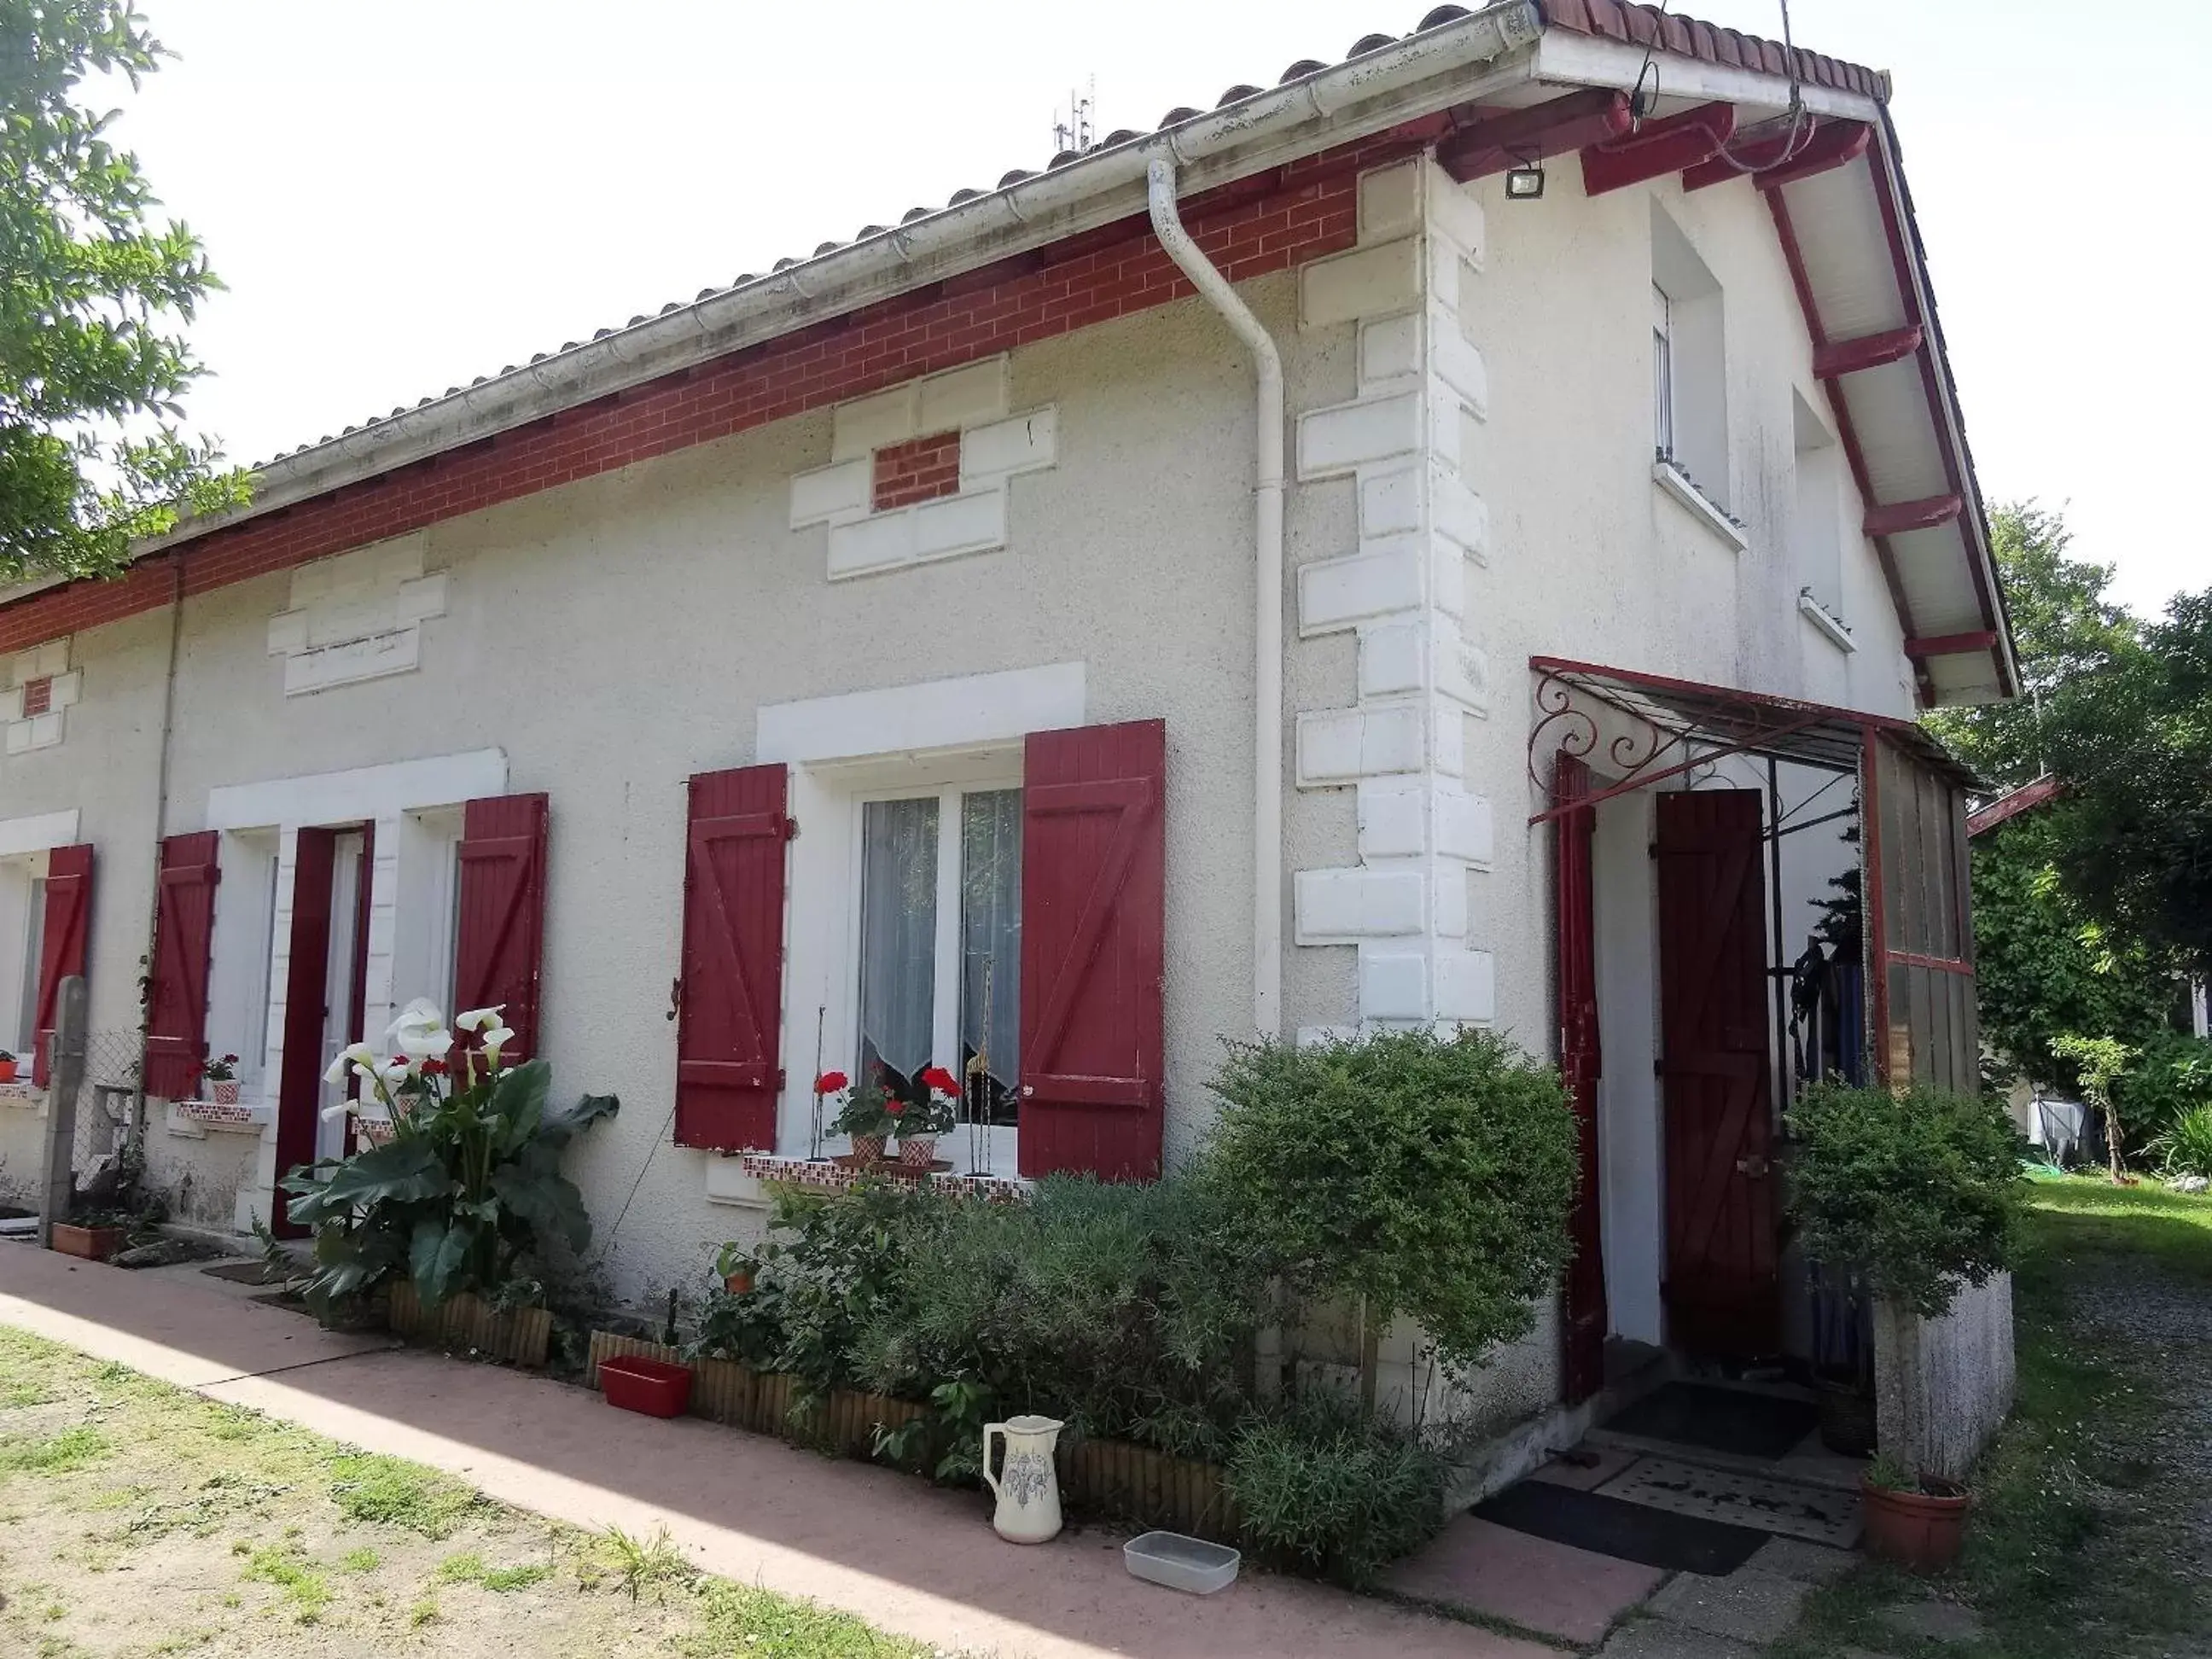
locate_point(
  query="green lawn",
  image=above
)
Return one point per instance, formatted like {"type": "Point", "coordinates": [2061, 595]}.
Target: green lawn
{"type": "Point", "coordinates": [2073, 1552]}
{"type": "Point", "coordinates": [137, 1519]}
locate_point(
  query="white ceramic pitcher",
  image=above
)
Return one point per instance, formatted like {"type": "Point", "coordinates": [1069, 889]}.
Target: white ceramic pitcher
{"type": "Point", "coordinates": [1027, 1484]}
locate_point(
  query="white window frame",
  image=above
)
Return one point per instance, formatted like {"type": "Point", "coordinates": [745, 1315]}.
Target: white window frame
{"type": "Point", "coordinates": [22, 925]}
{"type": "Point", "coordinates": [242, 950]}
{"type": "Point", "coordinates": [949, 982]}
{"type": "Point", "coordinates": [1662, 375]}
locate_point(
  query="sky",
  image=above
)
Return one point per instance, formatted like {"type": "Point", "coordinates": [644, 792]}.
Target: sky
{"type": "Point", "coordinates": [402, 195]}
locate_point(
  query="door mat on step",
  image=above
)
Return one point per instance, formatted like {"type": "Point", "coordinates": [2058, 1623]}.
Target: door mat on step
{"type": "Point", "coordinates": [1817, 1514]}
{"type": "Point", "coordinates": [1732, 1420]}
{"type": "Point", "coordinates": [1627, 1532]}
{"type": "Point", "coordinates": [245, 1272]}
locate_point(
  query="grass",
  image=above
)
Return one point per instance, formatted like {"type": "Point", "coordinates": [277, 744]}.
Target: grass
{"type": "Point", "coordinates": [2071, 1551]}
{"type": "Point", "coordinates": [142, 1520]}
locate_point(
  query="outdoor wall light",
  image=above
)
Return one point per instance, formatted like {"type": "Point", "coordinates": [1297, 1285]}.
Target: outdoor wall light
{"type": "Point", "coordinates": [1524, 183]}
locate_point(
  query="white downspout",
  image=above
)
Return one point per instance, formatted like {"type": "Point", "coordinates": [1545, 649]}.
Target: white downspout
{"type": "Point", "coordinates": [1267, 560]}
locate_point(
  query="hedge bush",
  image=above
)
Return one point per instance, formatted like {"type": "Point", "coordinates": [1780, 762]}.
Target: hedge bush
{"type": "Point", "coordinates": [1919, 1192]}
{"type": "Point", "coordinates": [1432, 1175]}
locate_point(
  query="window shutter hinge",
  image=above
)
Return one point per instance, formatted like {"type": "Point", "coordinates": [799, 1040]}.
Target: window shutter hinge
{"type": "Point", "coordinates": [779, 1080]}
{"type": "Point", "coordinates": [791, 829]}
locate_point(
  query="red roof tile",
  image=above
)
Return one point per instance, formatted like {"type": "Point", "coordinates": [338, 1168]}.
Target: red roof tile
{"type": "Point", "coordinates": [1688, 37]}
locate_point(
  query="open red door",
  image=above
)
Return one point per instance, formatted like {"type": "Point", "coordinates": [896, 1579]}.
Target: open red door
{"type": "Point", "coordinates": [1722, 1291]}
{"type": "Point", "coordinates": [1583, 1331]}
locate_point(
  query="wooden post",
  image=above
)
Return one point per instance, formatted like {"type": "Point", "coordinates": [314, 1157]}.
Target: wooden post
{"type": "Point", "coordinates": [66, 1078]}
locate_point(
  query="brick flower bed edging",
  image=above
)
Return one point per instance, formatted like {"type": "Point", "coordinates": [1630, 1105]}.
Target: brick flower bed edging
{"type": "Point", "coordinates": [830, 1175]}
{"type": "Point", "coordinates": [466, 1320]}
{"type": "Point", "coordinates": [1108, 1479]}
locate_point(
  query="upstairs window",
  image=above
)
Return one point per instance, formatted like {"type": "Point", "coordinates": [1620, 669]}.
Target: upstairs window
{"type": "Point", "coordinates": [1689, 364]}
{"type": "Point", "coordinates": [1816, 518]}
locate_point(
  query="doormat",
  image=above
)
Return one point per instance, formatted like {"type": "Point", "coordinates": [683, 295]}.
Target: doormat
{"type": "Point", "coordinates": [1627, 1532]}
{"type": "Point", "coordinates": [245, 1272]}
{"type": "Point", "coordinates": [1732, 1420]}
{"type": "Point", "coordinates": [1817, 1514]}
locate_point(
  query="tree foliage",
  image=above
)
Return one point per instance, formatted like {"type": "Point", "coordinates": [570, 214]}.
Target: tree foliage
{"type": "Point", "coordinates": [91, 369]}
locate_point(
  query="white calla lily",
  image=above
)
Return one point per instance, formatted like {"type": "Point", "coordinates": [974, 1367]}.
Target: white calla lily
{"type": "Point", "coordinates": [494, 1040]}
{"type": "Point", "coordinates": [332, 1114]}
{"type": "Point", "coordinates": [420, 1031]}
{"type": "Point", "coordinates": [479, 1019]}
{"type": "Point", "coordinates": [361, 1054]}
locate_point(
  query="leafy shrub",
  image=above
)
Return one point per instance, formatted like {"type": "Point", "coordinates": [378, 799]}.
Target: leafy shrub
{"type": "Point", "coordinates": [2185, 1148]}
{"type": "Point", "coordinates": [1919, 1192]}
{"type": "Point", "coordinates": [2171, 1075]}
{"type": "Point", "coordinates": [463, 1197]}
{"type": "Point", "coordinates": [1326, 1488]}
{"type": "Point", "coordinates": [1431, 1176]}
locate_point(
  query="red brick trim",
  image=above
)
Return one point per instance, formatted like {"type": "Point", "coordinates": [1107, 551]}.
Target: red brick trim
{"type": "Point", "coordinates": [919, 470]}
{"type": "Point", "coordinates": [1285, 215]}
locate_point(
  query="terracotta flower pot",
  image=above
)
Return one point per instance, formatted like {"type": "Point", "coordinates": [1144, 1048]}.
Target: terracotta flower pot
{"type": "Point", "coordinates": [738, 1284]}
{"type": "Point", "coordinates": [917, 1152]}
{"type": "Point", "coordinates": [868, 1145]}
{"type": "Point", "coordinates": [224, 1092]}
{"type": "Point", "coordinates": [7, 1071]}
{"type": "Point", "coordinates": [1919, 1531]}
{"type": "Point", "coordinates": [93, 1243]}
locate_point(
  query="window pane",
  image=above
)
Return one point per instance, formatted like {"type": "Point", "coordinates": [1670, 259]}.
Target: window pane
{"type": "Point", "coordinates": [898, 934]}
{"type": "Point", "coordinates": [33, 948]}
{"type": "Point", "coordinates": [990, 950]}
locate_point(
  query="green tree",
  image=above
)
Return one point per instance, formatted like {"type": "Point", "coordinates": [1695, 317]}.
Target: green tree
{"type": "Point", "coordinates": [2133, 740]}
{"type": "Point", "coordinates": [91, 369]}
{"type": "Point", "coordinates": [2064, 627]}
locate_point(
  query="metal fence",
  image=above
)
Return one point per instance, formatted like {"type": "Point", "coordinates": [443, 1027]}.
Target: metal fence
{"type": "Point", "coordinates": [108, 1147]}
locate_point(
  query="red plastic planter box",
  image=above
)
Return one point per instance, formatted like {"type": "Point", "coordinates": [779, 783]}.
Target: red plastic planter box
{"type": "Point", "coordinates": [652, 1386]}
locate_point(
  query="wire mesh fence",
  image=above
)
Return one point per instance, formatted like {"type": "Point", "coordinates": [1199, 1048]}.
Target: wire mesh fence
{"type": "Point", "coordinates": [109, 1149]}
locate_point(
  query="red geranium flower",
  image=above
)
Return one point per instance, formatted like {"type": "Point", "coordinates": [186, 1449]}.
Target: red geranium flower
{"type": "Point", "coordinates": [895, 1107]}
{"type": "Point", "coordinates": [830, 1081]}
{"type": "Point", "coordinates": [937, 1078]}
{"type": "Point", "coordinates": [435, 1068]}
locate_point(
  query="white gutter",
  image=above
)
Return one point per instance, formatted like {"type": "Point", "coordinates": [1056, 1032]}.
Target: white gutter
{"type": "Point", "coordinates": [1267, 609]}
{"type": "Point", "coordinates": [1422, 75]}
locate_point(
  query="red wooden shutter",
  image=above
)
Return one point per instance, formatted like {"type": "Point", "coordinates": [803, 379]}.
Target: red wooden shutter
{"type": "Point", "coordinates": [1094, 860]}
{"type": "Point", "coordinates": [730, 998]}
{"type": "Point", "coordinates": [1581, 1063]}
{"type": "Point", "coordinates": [500, 940]}
{"type": "Point", "coordinates": [61, 950]}
{"type": "Point", "coordinates": [177, 986]}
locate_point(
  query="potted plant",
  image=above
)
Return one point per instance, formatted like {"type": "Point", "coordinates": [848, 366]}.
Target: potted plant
{"type": "Point", "coordinates": [1907, 1196]}
{"type": "Point", "coordinates": [1916, 1521]}
{"type": "Point", "coordinates": [866, 1119]}
{"type": "Point", "coordinates": [920, 1124]}
{"type": "Point", "coordinates": [6, 1066]}
{"type": "Point", "coordinates": [94, 1235]}
{"type": "Point", "coordinates": [221, 1075]}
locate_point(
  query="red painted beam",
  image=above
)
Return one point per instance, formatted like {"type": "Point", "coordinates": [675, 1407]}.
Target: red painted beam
{"type": "Point", "coordinates": [1833, 145]}
{"type": "Point", "coordinates": [1897, 517]}
{"type": "Point", "coordinates": [1496, 143]}
{"type": "Point", "coordinates": [1841, 357]}
{"type": "Point", "coordinates": [1951, 645]}
{"type": "Point", "coordinates": [1749, 156]}
{"type": "Point", "coordinates": [1657, 149]}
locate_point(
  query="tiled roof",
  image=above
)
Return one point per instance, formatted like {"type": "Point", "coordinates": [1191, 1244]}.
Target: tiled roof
{"type": "Point", "coordinates": [1643, 26]}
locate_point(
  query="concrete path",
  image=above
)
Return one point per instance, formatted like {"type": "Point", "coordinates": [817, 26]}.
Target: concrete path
{"type": "Point", "coordinates": [905, 1555]}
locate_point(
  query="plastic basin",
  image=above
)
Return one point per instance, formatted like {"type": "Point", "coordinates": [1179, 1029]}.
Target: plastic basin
{"type": "Point", "coordinates": [1182, 1562]}
{"type": "Point", "coordinates": [653, 1387]}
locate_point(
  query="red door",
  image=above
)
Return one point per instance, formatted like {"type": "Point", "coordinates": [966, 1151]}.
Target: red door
{"type": "Point", "coordinates": [1720, 1289]}
{"type": "Point", "coordinates": [300, 1079]}
{"type": "Point", "coordinates": [1582, 1334]}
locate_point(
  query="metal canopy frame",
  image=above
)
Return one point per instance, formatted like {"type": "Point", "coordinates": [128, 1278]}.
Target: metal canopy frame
{"type": "Point", "coordinates": [1701, 724]}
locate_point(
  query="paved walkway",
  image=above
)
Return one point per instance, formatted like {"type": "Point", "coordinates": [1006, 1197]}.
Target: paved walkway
{"type": "Point", "coordinates": [907, 1556]}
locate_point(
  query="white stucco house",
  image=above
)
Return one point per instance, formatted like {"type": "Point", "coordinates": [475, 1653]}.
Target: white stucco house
{"type": "Point", "coordinates": [1408, 544]}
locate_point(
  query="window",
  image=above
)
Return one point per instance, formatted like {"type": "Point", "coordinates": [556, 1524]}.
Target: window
{"type": "Point", "coordinates": [1816, 519]}
{"type": "Point", "coordinates": [1689, 369]}
{"type": "Point", "coordinates": [939, 960]}
{"type": "Point", "coordinates": [241, 957]}
{"type": "Point", "coordinates": [22, 930]}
